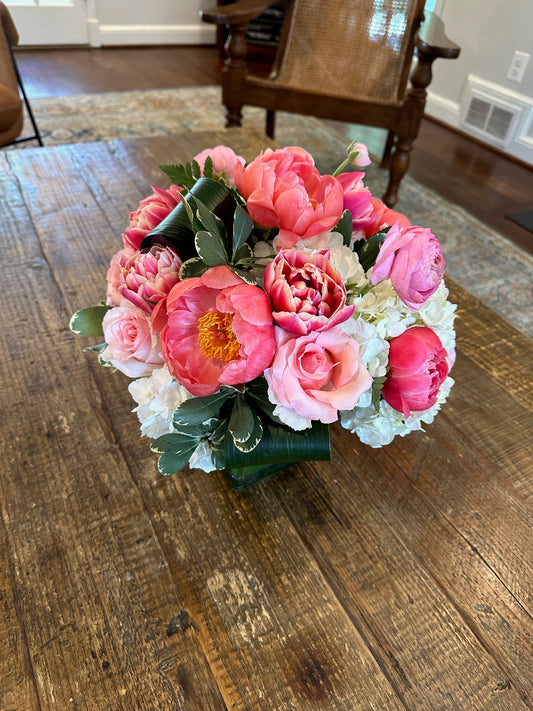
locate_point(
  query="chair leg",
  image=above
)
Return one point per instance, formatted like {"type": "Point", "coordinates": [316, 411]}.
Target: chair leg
{"type": "Point", "coordinates": [233, 116]}
{"type": "Point", "coordinates": [37, 133]}
{"type": "Point", "coordinates": [270, 123]}
{"type": "Point", "coordinates": [387, 149]}
{"type": "Point", "coordinates": [399, 163]}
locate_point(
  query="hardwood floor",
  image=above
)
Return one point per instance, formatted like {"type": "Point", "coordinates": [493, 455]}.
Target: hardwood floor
{"type": "Point", "coordinates": [482, 180]}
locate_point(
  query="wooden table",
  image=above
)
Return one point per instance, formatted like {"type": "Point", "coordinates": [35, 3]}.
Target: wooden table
{"type": "Point", "coordinates": [398, 578]}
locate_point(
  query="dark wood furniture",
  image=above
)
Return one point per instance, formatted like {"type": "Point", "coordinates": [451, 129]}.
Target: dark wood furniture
{"type": "Point", "coordinates": [347, 61]}
{"type": "Point", "coordinates": [388, 579]}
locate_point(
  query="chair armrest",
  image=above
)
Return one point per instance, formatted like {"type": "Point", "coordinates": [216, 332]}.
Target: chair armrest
{"type": "Point", "coordinates": [236, 13]}
{"type": "Point", "coordinates": [431, 39]}
{"type": "Point", "coordinates": [6, 21]}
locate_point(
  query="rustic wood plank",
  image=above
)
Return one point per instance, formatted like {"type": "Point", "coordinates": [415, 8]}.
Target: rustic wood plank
{"type": "Point", "coordinates": [101, 599]}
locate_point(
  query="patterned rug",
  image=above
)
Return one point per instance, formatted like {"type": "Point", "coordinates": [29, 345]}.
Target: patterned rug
{"type": "Point", "coordinates": [477, 257]}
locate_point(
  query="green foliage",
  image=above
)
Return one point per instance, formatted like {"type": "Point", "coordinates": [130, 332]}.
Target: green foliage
{"type": "Point", "coordinates": [88, 322]}
{"type": "Point", "coordinates": [344, 226]}
{"type": "Point", "coordinates": [368, 250]}
{"type": "Point", "coordinates": [244, 426]}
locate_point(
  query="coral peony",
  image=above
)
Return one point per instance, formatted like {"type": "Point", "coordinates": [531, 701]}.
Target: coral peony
{"type": "Point", "coordinates": [357, 199]}
{"type": "Point", "coordinates": [382, 216]}
{"type": "Point", "coordinates": [418, 366]}
{"type": "Point", "coordinates": [219, 331]}
{"type": "Point", "coordinates": [313, 377]}
{"type": "Point", "coordinates": [144, 278]}
{"type": "Point", "coordinates": [307, 293]}
{"type": "Point", "coordinates": [132, 346]}
{"type": "Point", "coordinates": [412, 259]}
{"type": "Point", "coordinates": [224, 159]}
{"type": "Point", "coordinates": [284, 189]}
{"type": "Point", "coordinates": [151, 211]}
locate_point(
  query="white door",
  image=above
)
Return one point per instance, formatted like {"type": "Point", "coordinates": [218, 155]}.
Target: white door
{"type": "Point", "coordinates": [50, 21]}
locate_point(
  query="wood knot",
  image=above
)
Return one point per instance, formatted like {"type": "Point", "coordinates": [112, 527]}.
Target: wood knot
{"type": "Point", "coordinates": [181, 623]}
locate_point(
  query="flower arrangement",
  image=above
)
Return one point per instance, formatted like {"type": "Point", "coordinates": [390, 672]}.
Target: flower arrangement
{"type": "Point", "coordinates": [254, 304]}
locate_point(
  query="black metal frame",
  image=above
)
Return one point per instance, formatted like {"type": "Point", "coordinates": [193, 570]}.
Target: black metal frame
{"type": "Point", "coordinates": [37, 135]}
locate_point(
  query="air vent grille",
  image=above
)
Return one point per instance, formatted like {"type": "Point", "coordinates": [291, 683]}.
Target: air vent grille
{"type": "Point", "coordinates": [499, 123]}
{"type": "Point", "coordinates": [489, 119]}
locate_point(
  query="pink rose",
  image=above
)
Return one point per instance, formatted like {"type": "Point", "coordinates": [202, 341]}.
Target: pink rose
{"type": "Point", "coordinates": [219, 331]}
{"type": "Point", "coordinates": [418, 366]}
{"type": "Point", "coordinates": [313, 377]}
{"type": "Point", "coordinates": [132, 346]}
{"type": "Point", "coordinates": [382, 216]}
{"type": "Point", "coordinates": [284, 189]}
{"type": "Point", "coordinates": [144, 278]}
{"type": "Point", "coordinates": [357, 199]}
{"type": "Point", "coordinates": [151, 211]}
{"type": "Point", "coordinates": [307, 293]}
{"type": "Point", "coordinates": [412, 259]}
{"type": "Point", "coordinates": [224, 159]}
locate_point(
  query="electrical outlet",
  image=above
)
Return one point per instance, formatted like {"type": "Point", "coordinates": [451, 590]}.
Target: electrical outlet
{"type": "Point", "coordinates": [518, 66]}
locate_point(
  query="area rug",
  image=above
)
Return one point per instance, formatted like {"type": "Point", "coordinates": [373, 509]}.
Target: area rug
{"type": "Point", "coordinates": [480, 259]}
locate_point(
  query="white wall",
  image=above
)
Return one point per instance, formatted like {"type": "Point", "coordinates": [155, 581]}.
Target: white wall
{"type": "Point", "coordinates": [155, 22]}
{"type": "Point", "coordinates": [488, 32]}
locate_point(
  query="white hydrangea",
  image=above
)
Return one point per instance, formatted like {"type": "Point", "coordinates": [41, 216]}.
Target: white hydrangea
{"type": "Point", "coordinates": [201, 458]}
{"type": "Point", "coordinates": [157, 396]}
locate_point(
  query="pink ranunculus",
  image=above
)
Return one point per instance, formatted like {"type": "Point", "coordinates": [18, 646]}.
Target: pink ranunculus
{"type": "Point", "coordinates": [151, 211]}
{"type": "Point", "coordinates": [224, 159]}
{"type": "Point", "coordinates": [382, 216]}
{"type": "Point", "coordinates": [132, 346]}
{"type": "Point", "coordinates": [144, 278]}
{"type": "Point", "coordinates": [307, 293]}
{"type": "Point", "coordinates": [357, 199]}
{"type": "Point", "coordinates": [284, 189]}
{"type": "Point", "coordinates": [312, 377]}
{"type": "Point", "coordinates": [412, 259]}
{"type": "Point", "coordinates": [219, 331]}
{"type": "Point", "coordinates": [418, 365]}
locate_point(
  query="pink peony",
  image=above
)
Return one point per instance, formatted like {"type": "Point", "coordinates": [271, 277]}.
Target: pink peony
{"type": "Point", "coordinates": [151, 211]}
{"type": "Point", "coordinates": [358, 155]}
{"type": "Point", "coordinates": [132, 346]}
{"type": "Point", "coordinates": [418, 367]}
{"type": "Point", "coordinates": [219, 331]}
{"type": "Point", "coordinates": [412, 259]}
{"type": "Point", "coordinates": [313, 377]}
{"type": "Point", "coordinates": [284, 189]}
{"type": "Point", "coordinates": [144, 278]}
{"type": "Point", "coordinates": [307, 293]}
{"type": "Point", "coordinates": [224, 159]}
{"type": "Point", "coordinates": [382, 216]}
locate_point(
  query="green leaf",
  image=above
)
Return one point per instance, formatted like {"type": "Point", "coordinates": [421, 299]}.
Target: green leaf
{"type": "Point", "coordinates": [281, 444]}
{"type": "Point", "coordinates": [193, 268]}
{"type": "Point", "coordinates": [244, 426]}
{"type": "Point", "coordinates": [243, 253]}
{"type": "Point", "coordinates": [242, 228]}
{"type": "Point", "coordinates": [199, 430]}
{"type": "Point", "coordinates": [172, 462]}
{"type": "Point", "coordinates": [210, 222]}
{"type": "Point", "coordinates": [208, 167]}
{"type": "Point", "coordinates": [258, 390]}
{"type": "Point", "coordinates": [368, 250]}
{"type": "Point", "coordinates": [345, 227]}
{"type": "Point", "coordinates": [210, 248]}
{"type": "Point", "coordinates": [200, 409]}
{"type": "Point", "coordinates": [88, 322]}
{"type": "Point", "coordinates": [244, 274]}
{"type": "Point", "coordinates": [176, 229]}
{"type": "Point", "coordinates": [171, 442]}
{"type": "Point", "coordinates": [180, 174]}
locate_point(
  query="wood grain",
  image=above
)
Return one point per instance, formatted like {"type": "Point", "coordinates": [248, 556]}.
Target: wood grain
{"type": "Point", "coordinates": [387, 579]}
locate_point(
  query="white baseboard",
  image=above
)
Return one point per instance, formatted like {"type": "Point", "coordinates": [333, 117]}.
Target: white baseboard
{"type": "Point", "coordinates": [442, 109]}
{"type": "Point", "coordinates": [153, 34]}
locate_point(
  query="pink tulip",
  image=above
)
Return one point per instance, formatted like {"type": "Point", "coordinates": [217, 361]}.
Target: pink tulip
{"type": "Point", "coordinates": [307, 293]}
{"type": "Point", "coordinates": [224, 159]}
{"type": "Point", "coordinates": [412, 259]}
{"type": "Point", "coordinates": [144, 278]}
{"type": "Point", "coordinates": [418, 365]}
{"type": "Point", "coordinates": [151, 211]}
{"type": "Point", "coordinates": [132, 346]}
{"type": "Point", "coordinates": [284, 189]}
{"type": "Point", "coordinates": [357, 199]}
{"type": "Point", "coordinates": [219, 331]}
{"type": "Point", "coordinates": [316, 375]}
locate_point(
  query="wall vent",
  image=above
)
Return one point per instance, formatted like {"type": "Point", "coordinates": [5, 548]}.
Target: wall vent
{"type": "Point", "coordinates": [489, 119]}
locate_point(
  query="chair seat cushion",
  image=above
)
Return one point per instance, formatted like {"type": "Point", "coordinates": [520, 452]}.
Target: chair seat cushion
{"type": "Point", "coordinates": [10, 108]}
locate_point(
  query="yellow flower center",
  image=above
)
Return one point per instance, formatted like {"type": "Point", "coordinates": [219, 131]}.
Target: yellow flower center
{"type": "Point", "coordinates": [216, 336]}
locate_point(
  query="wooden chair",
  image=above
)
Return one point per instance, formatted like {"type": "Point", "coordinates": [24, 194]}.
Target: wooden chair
{"type": "Point", "coordinates": [11, 87]}
{"type": "Point", "coordinates": [347, 60]}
